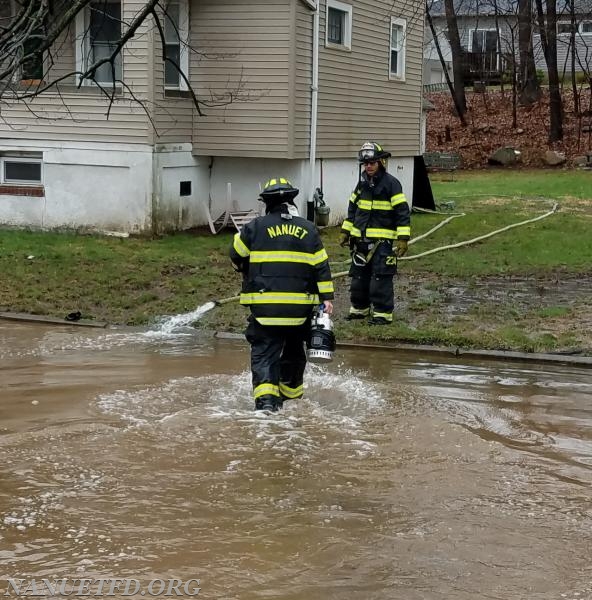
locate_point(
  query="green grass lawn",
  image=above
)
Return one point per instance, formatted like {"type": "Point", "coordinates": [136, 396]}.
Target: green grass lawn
{"type": "Point", "coordinates": [135, 280]}
{"type": "Point", "coordinates": [551, 183]}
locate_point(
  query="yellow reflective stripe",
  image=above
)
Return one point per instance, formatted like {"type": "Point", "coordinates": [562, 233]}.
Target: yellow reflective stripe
{"type": "Point", "coordinates": [278, 298]}
{"type": "Point", "coordinates": [403, 230]}
{"type": "Point", "coordinates": [239, 246]}
{"type": "Point", "coordinates": [290, 392]}
{"type": "Point", "coordinates": [381, 205]}
{"type": "Point", "coordinates": [281, 320]}
{"type": "Point", "coordinates": [325, 287]}
{"type": "Point", "coordinates": [355, 232]}
{"type": "Point", "coordinates": [359, 311]}
{"type": "Point", "coordinates": [258, 256]}
{"type": "Point", "coordinates": [319, 257]}
{"type": "Point", "coordinates": [375, 232]}
{"type": "Point", "coordinates": [347, 226]}
{"type": "Point", "coordinates": [398, 199]}
{"type": "Point", "coordinates": [353, 197]}
{"type": "Point", "coordinates": [386, 316]}
{"type": "Point", "coordinates": [266, 389]}
{"type": "Point", "coordinates": [365, 204]}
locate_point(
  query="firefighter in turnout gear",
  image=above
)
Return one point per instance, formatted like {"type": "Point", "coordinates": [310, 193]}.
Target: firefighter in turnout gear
{"type": "Point", "coordinates": [286, 275]}
{"type": "Point", "coordinates": [378, 216]}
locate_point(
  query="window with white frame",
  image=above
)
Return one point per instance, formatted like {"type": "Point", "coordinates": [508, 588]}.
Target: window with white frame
{"type": "Point", "coordinates": [176, 34]}
{"type": "Point", "coordinates": [32, 68]}
{"type": "Point", "coordinates": [397, 48]}
{"type": "Point", "coordinates": [98, 31]}
{"type": "Point", "coordinates": [583, 28]}
{"type": "Point", "coordinates": [483, 40]}
{"type": "Point", "coordinates": [563, 27]}
{"type": "Point", "coordinates": [338, 28]}
{"type": "Point", "coordinates": [21, 169]}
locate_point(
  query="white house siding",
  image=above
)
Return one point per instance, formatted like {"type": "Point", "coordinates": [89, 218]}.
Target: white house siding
{"type": "Point", "coordinates": [583, 54]}
{"type": "Point", "coordinates": [357, 101]}
{"type": "Point", "coordinates": [247, 50]}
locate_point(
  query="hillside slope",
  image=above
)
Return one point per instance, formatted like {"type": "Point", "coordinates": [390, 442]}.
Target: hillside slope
{"type": "Point", "coordinates": [490, 127]}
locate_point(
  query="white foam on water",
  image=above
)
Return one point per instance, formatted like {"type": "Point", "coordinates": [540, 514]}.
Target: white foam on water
{"type": "Point", "coordinates": [203, 407]}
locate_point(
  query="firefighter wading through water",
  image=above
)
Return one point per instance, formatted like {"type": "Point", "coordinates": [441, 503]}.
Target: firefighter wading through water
{"type": "Point", "coordinates": [377, 216]}
{"type": "Point", "coordinates": [286, 275]}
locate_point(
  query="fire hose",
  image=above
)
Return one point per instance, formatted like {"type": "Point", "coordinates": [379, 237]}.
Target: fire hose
{"type": "Point", "coordinates": [433, 250]}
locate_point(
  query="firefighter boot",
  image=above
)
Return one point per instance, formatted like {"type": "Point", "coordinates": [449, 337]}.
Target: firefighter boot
{"type": "Point", "coordinates": [268, 403]}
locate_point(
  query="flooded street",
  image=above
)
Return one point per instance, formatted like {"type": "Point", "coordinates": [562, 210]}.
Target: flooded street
{"type": "Point", "coordinates": [398, 476]}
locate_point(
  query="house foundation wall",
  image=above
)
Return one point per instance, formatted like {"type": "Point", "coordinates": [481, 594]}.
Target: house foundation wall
{"type": "Point", "coordinates": [85, 187]}
{"type": "Point", "coordinates": [338, 176]}
{"type": "Point", "coordinates": [144, 189]}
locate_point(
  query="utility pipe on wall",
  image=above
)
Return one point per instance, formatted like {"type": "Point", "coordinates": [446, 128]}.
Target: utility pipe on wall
{"type": "Point", "coordinates": [314, 87]}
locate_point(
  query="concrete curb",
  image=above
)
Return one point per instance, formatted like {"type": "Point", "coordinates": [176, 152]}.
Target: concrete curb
{"type": "Point", "coordinates": [505, 355]}
{"type": "Point", "coordinates": [9, 316]}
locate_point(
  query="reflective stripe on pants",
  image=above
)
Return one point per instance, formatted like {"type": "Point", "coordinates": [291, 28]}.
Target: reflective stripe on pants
{"type": "Point", "coordinates": [278, 357]}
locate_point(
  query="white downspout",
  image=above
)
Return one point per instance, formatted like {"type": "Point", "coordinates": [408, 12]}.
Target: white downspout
{"type": "Point", "coordinates": [314, 100]}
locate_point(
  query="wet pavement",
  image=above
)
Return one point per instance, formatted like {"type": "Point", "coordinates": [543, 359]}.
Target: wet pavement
{"type": "Point", "coordinates": [137, 454]}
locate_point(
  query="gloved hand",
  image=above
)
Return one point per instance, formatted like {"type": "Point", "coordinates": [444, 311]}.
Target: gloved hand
{"type": "Point", "coordinates": [344, 238]}
{"type": "Point", "coordinates": [401, 248]}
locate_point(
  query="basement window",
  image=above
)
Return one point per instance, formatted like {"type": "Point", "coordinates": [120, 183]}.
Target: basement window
{"type": "Point", "coordinates": [21, 170]}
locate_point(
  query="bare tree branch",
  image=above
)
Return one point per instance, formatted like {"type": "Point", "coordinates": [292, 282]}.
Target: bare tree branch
{"type": "Point", "coordinates": [41, 29]}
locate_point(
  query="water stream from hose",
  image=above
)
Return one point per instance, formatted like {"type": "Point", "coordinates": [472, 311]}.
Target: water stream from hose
{"type": "Point", "coordinates": [171, 324]}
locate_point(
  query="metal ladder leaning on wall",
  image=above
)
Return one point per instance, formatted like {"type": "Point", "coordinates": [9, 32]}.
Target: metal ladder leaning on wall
{"type": "Point", "coordinates": [232, 215]}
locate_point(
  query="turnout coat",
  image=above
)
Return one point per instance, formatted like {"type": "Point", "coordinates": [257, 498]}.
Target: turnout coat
{"type": "Point", "coordinates": [284, 265]}
{"type": "Point", "coordinates": [378, 209]}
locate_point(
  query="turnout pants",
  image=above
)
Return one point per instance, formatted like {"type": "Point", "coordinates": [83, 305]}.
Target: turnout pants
{"type": "Point", "coordinates": [371, 288]}
{"type": "Point", "coordinates": [278, 359]}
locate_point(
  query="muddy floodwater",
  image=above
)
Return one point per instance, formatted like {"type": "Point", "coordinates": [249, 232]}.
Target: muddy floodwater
{"type": "Point", "coordinates": [136, 454]}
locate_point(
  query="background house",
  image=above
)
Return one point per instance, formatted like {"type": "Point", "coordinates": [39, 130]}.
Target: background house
{"type": "Point", "coordinates": [290, 88]}
{"type": "Point", "coordinates": [489, 37]}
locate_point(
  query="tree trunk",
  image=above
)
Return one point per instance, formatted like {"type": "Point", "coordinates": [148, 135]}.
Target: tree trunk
{"type": "Point", "coordinates": [457, 58]}
{"type": "Point", "coordinates": [548, 31]}
{"type": "Point", "coordinates": [572, 41]}
{"type": "Point", "coordinates": [529, 91]}
{"type": "Point", "coordinates": [459, 111]}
